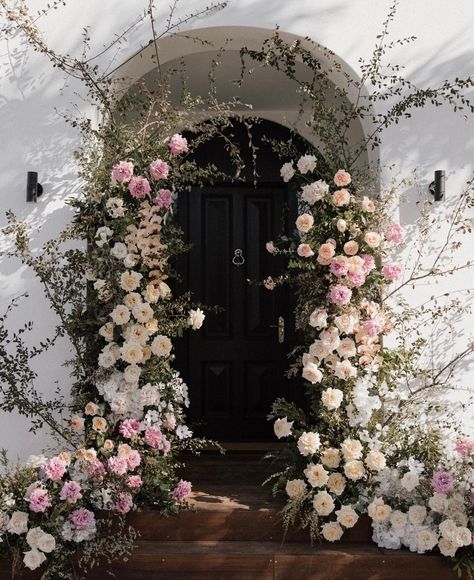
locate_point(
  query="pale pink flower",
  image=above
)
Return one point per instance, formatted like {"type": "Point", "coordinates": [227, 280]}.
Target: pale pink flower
{"type": "Point", "coordinates": [122, 171]}
{"type": "Point", "coordinates": [342, 178]}
{"type": "Point", "coordinates": [182, 490]}
{"type": "Point", "coordinates": [55, 468]}
{"type": "Point", "coordinates": [129, 428]}
{"type": "Point", "coordinates": [159, 169]}
{"type": "Point", "coordinates": [269, 283]}
{"type": "Point", "coordinates": [133, 459]}
{"type": "Point", "coordinates": [394, 232]}
{"type": "Point", "coordinates": [369, 263]}
{"type": "Point", "coordinates": [392, 271]}
{"type": "Point", "coordinates": [164, 198]}
{"type": "Point", "coordinates": [134, 481]}
{"type": "Point", "coordinates": [178, 144]}
{"type": "Point", "coordinates": [304, 251]}
{"type": "Point", "coordinates": [96, 469]}
{"type": "Point", "coordinates": [165, 446]}
{"type": "Point", "coordinates": [82, 518]}
{"type": "Point", "coordinates": [39, 500]}
{"type": "Point", "coordinates": [442, 481]}
{"type": "Point", "coordinates": [356, 279]}
{"type": "Point", "coordinates": [139, 187]}
{"type": "Point", "coordinates": [340, 295]}
{"type": "Point", "coordinates": [117, 465]}
{"type": "Point", "coordinates": [70, 492]}
{"type": "Point", "coordinates": [153, 437]}
{"type": "Point", "coordinates": [304, 222]}
{"type": "Point", "coordinates": [123, 503]}
{"type": "Point", "coordinates": [373, 327]}
{"type": "Point", "coordinates": [464, 446]}
{"type": "Point", "coordinates": [339, 266]}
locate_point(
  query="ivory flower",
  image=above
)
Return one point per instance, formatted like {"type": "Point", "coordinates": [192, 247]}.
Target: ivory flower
{"type": "Point", "coordinates": [142, 312]}
{"type": "Point", "coordinates": [375, 460]}
{"type": "Point", "coordinates": [367, 204]}
{"type": "Point", "coordinates": [304, 251]}
{"type": "Point", "coordinates": [161, 346]}
{"type": "Point", "coordinates": [351, 248]}
{"type": "Point", "coordinates": [347, 516]}
{"type": "Point", "coordinates": [372, 239]}
{"type": "Point", "coordinates": [295, 488]}
{"type": "Point", "coordinates": [323, 503]}
{"type": "Point", "coordinates": [332, 398]}
{"type": "Point", "coordinates": [354, 470]}
{"type": "Point", "coordinates": [282, 427]}
{"type": "Point", "coordinates": [378, 510]}
{"type": "Point", "coordinates": [344, 370]}
{"type": "Point", "coordinates": [120, 314]}
{"type": "Point", "coordinates": [341, 197]}
{"type": "Point", "coordinates": [332, 532]}
{"type": "Point", "coordinates": [196, 318]}
{"type": "Point", "coordinates": [33, 559]}
{"type": "Point", "coordinates": [287, 171]}
{"type": "Point", "coordinates": [325, 254]}
{"type": "Point", "coordinates": [316, 475]}
{"type": "Point", "coordinates": [331, 458]}
{"type": "Point", "coordinates": [351, 449]}
{"type": "Point", "coordinates": [313, 192]}
{"type": "Point", "coordinates": [130, 281]}
{"type": "Point", "coordinates": [18, 523]}
{"type": "Point", "coordinates": [347, 348]}
{"type": "Point", "coordinates": [308, 443]}
{"type": "Point", "coordinates": [312, 373]}
{"type": "Point", "coordinates": [304, 222]}
{"type": "Point", "coordinates": [318, 318]}
{"type": "Point", "coordinates": [131, 353]}
{"type": "Point", "coordinates": [336, 483]}
{"type": "Point", "coordinates": [342, 178]}
{"type": "Point", "coordinates": [306, 163]}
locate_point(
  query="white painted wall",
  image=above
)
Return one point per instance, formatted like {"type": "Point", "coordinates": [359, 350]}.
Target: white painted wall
{"type": "Point", "coordinates": [34, 136]}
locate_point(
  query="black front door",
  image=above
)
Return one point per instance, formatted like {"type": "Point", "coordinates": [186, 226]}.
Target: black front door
{"type": "Point", "coordinates": [235, 365]}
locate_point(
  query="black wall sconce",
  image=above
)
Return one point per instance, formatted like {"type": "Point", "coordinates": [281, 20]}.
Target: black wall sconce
{"type": "Point", "coordinates": [33, 188]}
{"type": "Point", "coordinates": [437, 186]}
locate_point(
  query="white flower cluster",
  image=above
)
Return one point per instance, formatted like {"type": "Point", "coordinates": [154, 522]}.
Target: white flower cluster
{"type": "Point", "coordinates": [69, 532]}
{"type": "Point", "coordinates": [359, 411]}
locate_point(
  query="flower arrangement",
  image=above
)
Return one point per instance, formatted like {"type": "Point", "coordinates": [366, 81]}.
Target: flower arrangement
{"type": "Point", "coordinates": [342, 459]}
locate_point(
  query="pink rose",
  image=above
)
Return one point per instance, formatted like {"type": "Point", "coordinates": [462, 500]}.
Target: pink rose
{"type": "Point", "coordinates": [164, 198]}
{"type": "Point", "coordinates": [39, 500]}
{"type": "Point", "coordinates": [342, 178]}
{"type": "Point", "coordinates": [123, 503]}
{"type": "Point", "coordinates": [82, 518]}
{"type": "Point", "coordinates": [340, 295]}
{"type": "Point", "coordinates": [341, 197]}
{"type": "Point", "coordinates": [70, 492]}
{"type": "Point", "coordinates": [159, 169]}
{"type": "Point", "coordinates": [178, 144]}
{"type": "Point", "coordinates": [129, 428]}
{"type": "Point", "coordinates": [139, 187]}
{"type": "Point", "coordinates": [122, 172]}
{"type": "Point", "coordinates": [356, 279]}
{"type": "Point", "coordinates": [182, 490]}
{"type": "Point", "coordinates": [304, 222]}
{"type": "Point", "coordinates": [373, 327]}
{"type": "Point", "coordinates": [442, 481]}
{"type": "Point", "coordinates": [134, 482]}
{"type": "Point", "coordinates": [55, 468]}
{"type": "Point", "coordinates": [339, 266]}
{"type": "Point", "coordinates": [392, 271]}
{"type": "Point", "coordinates": [394, 232]}
{"type": "Point", "coordinates": [117, 465]}
{"type": "Point", "coordinates": [153, 437]}
{"type": "Point", "coordinates": [133, 459]}
{"type": "Point", "coordinates": [464, 446]}
{"type": "Point", "coordinates": [304, 251]}
{"type": "Point", "coordinates": [369, 263]}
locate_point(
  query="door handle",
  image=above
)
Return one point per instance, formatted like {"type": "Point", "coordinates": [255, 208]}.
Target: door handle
{"type": "Point", "coordinates": [281, 329]}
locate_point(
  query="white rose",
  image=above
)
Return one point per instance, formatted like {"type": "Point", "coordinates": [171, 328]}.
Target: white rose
{"type": "Point", "coordinates": [375, 460]}
{"type": "Point", "coordinates": [368, 204]}
{"type": "Point", "coordinates": [120, 314]}
{"type": "Point", "coordinates": [107, 331]}
{"type": "Point", "coordinates": [398, 519]}
{"type": "Point", "coordinates": [196, 318]}
{"type": "Point", "coordinates": [438, 502]}
{"type": "Point", "coordinates": [344, 370]}
{"type": "Point", "coordinates": [316, 475]}
{"type": "Point", "coordinates": [136, 333]}
{"type": "Point", "coordinates": [161, 346]}
{"type": "Point", "coordinates": [378, 510]}
{"type": "Point", "coordinates": [308, 443]}
{"type": "Point", "coordinates": [354, 470]}
{"type": "Point", "coordinates": [130, 261]}
{"type": "Point", "coordinates": [319, 350]}
{"type": "Point", "coordinates": [318, 318]}
{"type": "Point", "coordinates": [426, 540]}
{"type": "Point", "coordinates": [341, 225]}
{"type": "Point", "coordinates": [119, 251]}
{"type": "Point", "coordinates": [323, 503]}
{"type": "Point", "coordinates": [131, 352]}
{"type": "Point", "coordinates": [447, 528]}
{"type": "Point", "coordinates": [347, 348]}
{"type": "Point", "coordinates": [33, 559]}
{"type": "Point", "coordinates": [33, 536]}
{"type": "Point", "coordinates": [46, 543]}
{"type": "Point", "coordinates": [331, 458]}
{"type": "Point", "coordinates": [330, 338]}
{"type": "Point", "coordinates": [142, 312]}
{"type": "Point", "coordinates": [416, 514]}
{"type": "Point", "coordinates": [102, 235]}
{"type": "Point", "coordinates": [313, 192]}
{"type": "Point", "coordinates": [165, 290]}
{"type": "Point", "coordinates": [295, 488]}
{"type": "Point", "coordinates": [306, 163]}
{"type": "Point", "coordinates": [287, 171]}
{"type": "Point", "coordinates": [410, 480]}
{"type": "Point", "coordinates": [304, 222]}
{"type": "Point", "coordinates": [351, 449]}
{"type": "Point", "coordinates": [347, 516]}
{"type": "Point", "coordinates": [462, 536]}
{"type": "Point", "coordinates": [312, 373]}
{"type": "Point", "coordinates": [129, 280]}
{"type": "Point", "coordinates": [332, 531]}
{"type": "Point", "coordinates": [18, 523]}
{"type": "Point", "coordinates": [282, 427]}
{"type": "Point", "coordinates": [107, 358]}
{"type": "Point", "coordinates": [332, 398]}
{"type": "Point", "coordinates": [336, 483]}
{"type": "Point", "coordinates": [346, 323]}
{"type": "Point", "coordinates": [447, 548]}
{"type": "Point", "coordinates": [132, 373]}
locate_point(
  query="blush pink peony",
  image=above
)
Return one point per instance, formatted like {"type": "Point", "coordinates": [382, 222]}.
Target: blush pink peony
{"type": "Point", "coordinates": [122, 172]}
{"type": "Point", "coordinates": [340, 295]}
{"type": "Point", "coordinates": [392, 271]}
{"type": "Point", "coordinates": [159, 169]}
{"type": "Point", "coordinates": [178, 144]}
{"type": "Point", "coordinates": [139, 187]}
{"type": "Point", "coordinates": [55, 469]}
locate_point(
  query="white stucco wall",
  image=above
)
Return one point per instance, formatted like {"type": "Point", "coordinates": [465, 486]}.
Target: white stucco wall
{"type": "Point", "coordinates": [34, 136]}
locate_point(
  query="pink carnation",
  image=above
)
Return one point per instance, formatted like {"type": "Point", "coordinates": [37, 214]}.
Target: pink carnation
{"type": "Point", "coordinates": [70, 492]}
{"type": "Point", "coordinates": [123, 503]}
{"type": "Point", "coordinates": [182, 490]}
{"type": "Point", "coordinates": [96, 469]}
{"type": "Point", "coordinates": [55, 468]}
{"type": "Point", "coordinates": [153, 437]}
{"type": "Point", "coordinates": [369, 263]}
{"type": "Point", "coordinates": [178, 144]}
{"type": "Point", "coordinates": [129, 428]}
{"type": "Point", "coordinates": [339, 266]}
{"type": "Point", "coordinates": [82, 518]}
{"type": "Point", "coordinates": [442, 481]}
{"type": "Point", "coordinates": [464, 446]}
{"type": "Point", "coordinates": [139, 187]}
{"type": "Point", "coordinates": [394, 233]}
{"type": "Point", "coordinates": [159, 169]}
{"type": "Point", "coordinates": [392, 271]}
{"type": "Point", "coordinates": [133, 459]}
{"type": "Point", "coordinates": [122, 172]}
{"type": "Point", "coordinates": [373, 327]}
{"type": "Point", "coordinates": [134, 481]}
{"type": "Point", "coordinates": [340, 294]}
{"type": "Point", "coordinates": [164, 198]}
{"type": "Point", "coordinates": [356, 280]}
{"type": "Point", "coordinates": [39, 500]}
{"type": "Point", "coordinates": [118, 465]}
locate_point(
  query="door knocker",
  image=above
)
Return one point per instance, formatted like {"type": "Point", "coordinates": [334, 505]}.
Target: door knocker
{"type": "Point", "coordinates": [238, 259]}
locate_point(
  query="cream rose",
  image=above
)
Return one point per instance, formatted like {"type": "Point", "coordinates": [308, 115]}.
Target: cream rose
{"type": "Point", "coordinates": [330, 338]}
{"type": "Point", "coordinates": [108, 445]}
{"type": "Point", "coordinates": [341, 225]}
{"type": "Point", "coordinates": [416, 514]}
{"type": "Point", "coordinates": [319, 350]}
{"type": "Point", "coordinates": [282, 427]}
{"type": "Point", "coordinates": [151, 326]}
{"type": "Point", "coordinates": [132, 373]}
{"type": "Point", "coordinates": [312, 373]}
{"type": "Point", "coordinates": [295, 488]}
{"type": "Point", "coordinates": [316, 475]}
{"type": "Point", "coordinates": [142, 312]}
{"type": "Point", "coordinates": [331, 458]}
{"type": "Point", "coordinates": [33, 536]}
{"type": "Point", "coordinates": [306, 163]}
{"type": "Point", "coordinates": [91, 408]}
{"type": "Point", "coordinates": [165, 290]}
{"type": "Point", "coordinates": [347, 348]}
{"type": "Point", "coordinates": [318, 318]}
{"type": "Point", "coordinates": [161, 346]}
{"type": "Point", "coordinates": [130, 281]}
{"type": "Point", "coordinates": [304, 251]}
{"type": "Point", "coordinates": [351, 248]}
{"type": "Point", "coordinates": [313, 192]}
{"type": "Point", "coordinates": [346, 323]}
{"type": "Point", "coordinates": [99, 424]}
{"type": "Point", "coordinates": [372, 239]}
{"type": "Point", "coordinates": [18, 523]}
{"type": "Point", "coordinates": [342, 178]}
{"type": "Point", "coordinates": [332, 531]}
{"type": "Point", "coordinates": [447, 548]}
{"type": "Point", "coordinates": [308, 443]}
{"type": "Point", "coordinates": [304, 222]}
{"type": "Point", "coordinates": [33, 559]}
{"type": "Point", "coordinates": [46, 543]}
{"type": "Point", "coordinates": [378, 510]}
{"type": "Point", "coordinates": [367, 204]}
{"type": "Point", "coordinates": [120, 314]}
{"type": "Point", "coordinates": [398, 519]}
{"type": "Point", "coordinates": [351, 449]}
{"type": "Point", "coordinates": [375, 460]}
{"type": "Point", "coordinates": [347, 516]}
{"type": "Point", "coordinates": [354, 470]}
{"type": "Point", "coordinates": [90, 454]}
{"type": "Point", "coordinates": [344, 370]}
{"type": "Point", "coordinates": [287, 171]}
{"type": "Point", "coordinates": [131, 353]}
{"type": "Point", "coordinates": [426, 540]}
{"type": "Point", "coordinates": [341, 197]}
{"type": "Point", "coordinates": [196, 318]}
{"type": "Point", "coordinates": [336, 483]}
{"type": "Point", "coordinates": [132, 299]}
{"type": "Point", "coordinates": [107, 331]}
{"type": "Point", "coordinates": [326, 253]}
{"type": "Point", "coordinates": [323, 503]}
{"type": "Point", "coordinates": [332, 398]}
{"type": "Point", "coordinates": [107, 358]}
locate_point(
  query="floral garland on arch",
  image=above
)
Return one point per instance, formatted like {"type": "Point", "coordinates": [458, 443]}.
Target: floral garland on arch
{"type": "Point", "coordinates": [342, 460]}
{"type": "Point", "coordinates": [129, 421]}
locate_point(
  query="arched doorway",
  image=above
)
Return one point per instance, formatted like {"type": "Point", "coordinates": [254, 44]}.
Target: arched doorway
{"type": "Point", "coordinates": [235, 366]}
